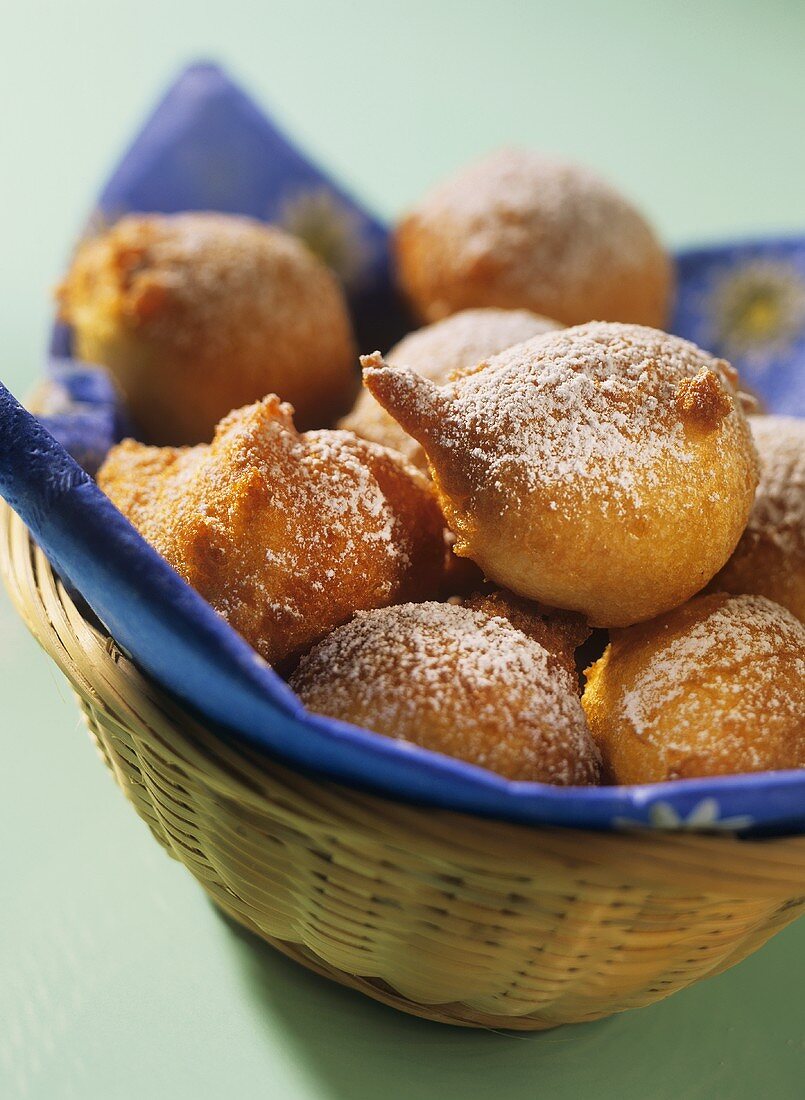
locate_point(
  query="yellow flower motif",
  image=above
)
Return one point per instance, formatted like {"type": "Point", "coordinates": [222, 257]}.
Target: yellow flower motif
{"type": "Point", "coordinates": [329, 228]}
{"type": "Point", "coordinates": [758, 311]}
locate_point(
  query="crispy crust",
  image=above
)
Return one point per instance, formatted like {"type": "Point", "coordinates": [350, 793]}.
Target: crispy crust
{"type": "Point", "coordinates": [286, 535]}
{"type": "Point", "coordinates": [458, 680]}
{"type": "Point", "coordinates": [559, 632]}
{"type": "Point", "coordinates": [197, 314]}
{"type": "Point", "coordinates": [571, 475]}
{"type": "Point", "coordinates": [438, 352]}
{"type": "Point", "coordinates": [703, 400]}
{"type": "Point", "coordinates": [770, 558]}
{"type": "Point", "coordinates": [716, 687]}
{"type": "Point", "coordinates": [518, 231]}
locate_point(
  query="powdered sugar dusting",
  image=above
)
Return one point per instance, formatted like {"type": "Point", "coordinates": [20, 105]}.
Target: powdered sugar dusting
{"type": "Point", "coordinates": [436, 352]}
{"type": "Point", "coordinates": [739, 643]}
{"type": "Point", "coordinates": [329, 479]}
{"type": "Point", "coordinates": [285, 534]}
{"type": "Point", "coordinates": [457, 680]}
{"type": "Point", "coordinates": [591, 407]}
{"type": "Point", "coordinates": [463, 340]}
{"type": "Point", "coordinates": [543, 223]}
{"type": "Point", "coordinates": [214, 267]}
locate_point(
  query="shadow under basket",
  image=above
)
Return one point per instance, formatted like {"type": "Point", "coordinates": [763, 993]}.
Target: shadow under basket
{"type": "Point", "coordinates": [457, 919]}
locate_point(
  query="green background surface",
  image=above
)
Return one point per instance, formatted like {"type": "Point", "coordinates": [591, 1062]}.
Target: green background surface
{"type": "Point", "coordinates": [117, 978]}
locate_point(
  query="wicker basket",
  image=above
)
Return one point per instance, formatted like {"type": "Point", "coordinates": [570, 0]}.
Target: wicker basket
{"type": "Point", "coordinates": [456, 919]}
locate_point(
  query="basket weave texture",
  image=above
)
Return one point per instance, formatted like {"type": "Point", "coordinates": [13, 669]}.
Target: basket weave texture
{"type": "Point", "coordinates": [453, 918]}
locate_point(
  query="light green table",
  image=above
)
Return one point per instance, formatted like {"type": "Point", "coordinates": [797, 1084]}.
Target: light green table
{"type": "Point", "coordinates": [117, 979]}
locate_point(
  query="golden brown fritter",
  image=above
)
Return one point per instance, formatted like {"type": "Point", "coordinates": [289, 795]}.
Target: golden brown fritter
{"type": "Point", "coordinates": [437, 352]}
{"type": "Point", "coordinates": [519, 231]}
{"type": "Point", "coordinates": [606, 469]}
{"type": "Point", "coordinates": [286, 534]}
{"type": "Point", "coordinates": [770, 558]}
{"type": "Point", "coordinates": [716, 687]}
{"type": "Point", "coordinates": [460, 681]}
{"type": "Point", "coordinates": [198, 314]}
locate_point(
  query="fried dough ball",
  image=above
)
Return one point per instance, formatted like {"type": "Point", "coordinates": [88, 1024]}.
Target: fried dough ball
{"type": "Point", "coordinates": [770, 558]}
{"type": "Point", "coordinates": [437, 352]}
{"type": "Point", "coordinates": [607, 469]}
{"type": "Point", "coordinates": [519, 231]}
{"type": "Point", "coordinates": [458, 681]}
{"type": "Point", "coordinates": [286, 535]}
{"type": "Point", "coordinates": [716, 687]}
{"type": "Point", "coordinates": [198, 314]}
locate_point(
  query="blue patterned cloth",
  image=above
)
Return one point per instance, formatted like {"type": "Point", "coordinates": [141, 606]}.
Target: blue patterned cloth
{"type": "Point", "coordinates": [746, 303]}
{"type": "Point", "coordinates": [207, 146]}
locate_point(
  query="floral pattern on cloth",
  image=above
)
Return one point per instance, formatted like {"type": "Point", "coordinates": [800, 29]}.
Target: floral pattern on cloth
{"type": "Point", "coordinates": [331, 230]}
{"type": "Point", "coordinates": [705, 817]}
{"type": "Point", "coordinates": [746, 303]}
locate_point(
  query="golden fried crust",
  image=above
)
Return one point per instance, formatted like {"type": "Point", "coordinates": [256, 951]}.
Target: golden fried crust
{"type": "Point", "coordinates": [559, 632]}
{"type": "Point", "coordinates": [607, 469]}
{"type": "Point", "coordinates": [770, 558]}
{"type": "Point", "coordinates": [197, 314]}
{"type": "Point", "coordinates": [437, 352]}
{"type": "Point", "coordinates": [286, 535]}
{"type": "Point", "coordinates": [716, 687]}
{"type": "Point", "coordinates": [518, 231]}
{"type": "Point", "coordinates": [703, 400]}
{"type": "Point", "coordinates": [456, 680]}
